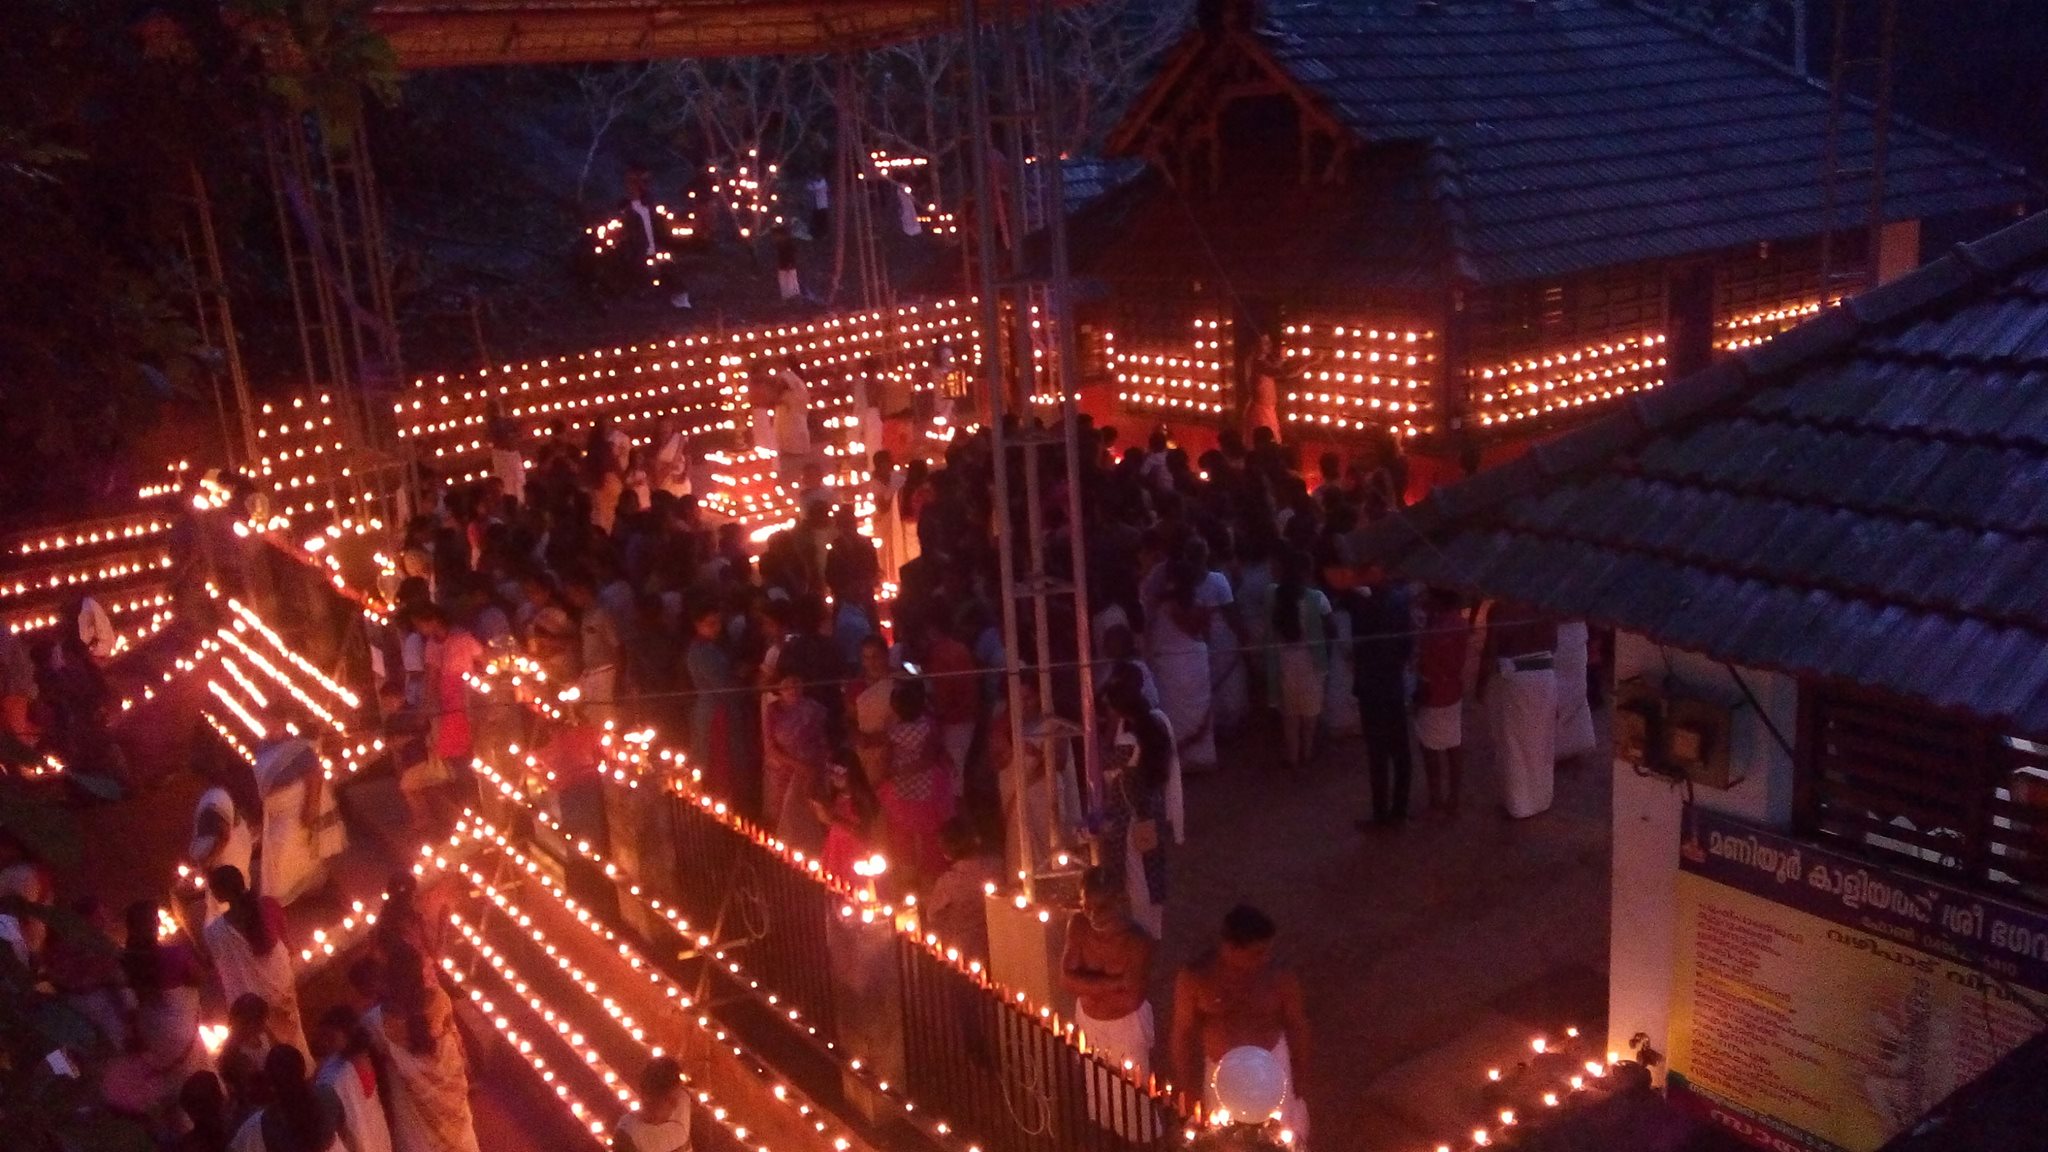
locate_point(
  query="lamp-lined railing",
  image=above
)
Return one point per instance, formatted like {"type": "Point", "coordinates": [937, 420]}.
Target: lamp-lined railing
{"type": "Point", "coordinates": [718, 865]}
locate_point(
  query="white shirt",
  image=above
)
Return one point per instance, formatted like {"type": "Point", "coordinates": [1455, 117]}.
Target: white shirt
{"type": "Point", "coordinates": [646, 224]}
{"type": "Point", "coordinates": [95, 630]}
{"type": "Point", "coordinates": [636, 1133]}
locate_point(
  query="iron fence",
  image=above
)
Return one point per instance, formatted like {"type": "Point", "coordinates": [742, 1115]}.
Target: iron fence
{"type": "Point", "coordinates": [772, 917]}
{"type": "Point", "coordinates": [995, 1069]}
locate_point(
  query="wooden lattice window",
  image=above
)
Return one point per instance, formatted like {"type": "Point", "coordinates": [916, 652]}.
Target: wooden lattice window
{"type": "Point", "coordinates": [1936, 792]}
{"type": "Point", "coordinates": [1768, 276]}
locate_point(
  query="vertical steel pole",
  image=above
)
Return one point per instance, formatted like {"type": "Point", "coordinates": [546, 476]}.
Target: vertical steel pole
{"type": "Point", "coordinates": [992, 371]}
{"type": "Point", "coordinates": [1066, 376]}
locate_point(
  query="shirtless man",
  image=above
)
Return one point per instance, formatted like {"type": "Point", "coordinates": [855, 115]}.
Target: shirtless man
{"type": "Point", "coordinates": [1234, 997]}
{"type": "Point", "coordinates": [1105, 966]}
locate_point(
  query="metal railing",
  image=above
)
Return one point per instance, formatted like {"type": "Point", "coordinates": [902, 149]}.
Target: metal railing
{"type": "Point", "coordinates": [1003, 1076]}
{"type": "Point", "coordinates": [751, 901]}
{"type": "Point", "coordinates": [1001, 1072]}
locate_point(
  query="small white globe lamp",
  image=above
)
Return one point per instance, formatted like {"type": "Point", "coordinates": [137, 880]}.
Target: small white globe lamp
{"type": "Point", "coordinates": [1250, 1084]}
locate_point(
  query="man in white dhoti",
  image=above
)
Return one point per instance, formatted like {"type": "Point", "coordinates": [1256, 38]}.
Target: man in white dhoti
{"type": "Point", "coordinates": [792, 425]}
{"type": "Point", "coordinates": [1234, 996]}
{"type": "Point", "coordinates": [1181, 594]}
{"type": "Point", "coordinates": [1105, 966]}
{"type": "Point", "coordinates": [671, 471]}
{"type": "Point", "coordinates": [347, 1071]}
{"type": "Point", "coordinates": [301, 825]}
{"type": "Point", "coordinates": [1574, 708]}
{"type": "Point", "coordinates": [1042, 811]}
{"type": "Point", "coordinates": [1518, 685]}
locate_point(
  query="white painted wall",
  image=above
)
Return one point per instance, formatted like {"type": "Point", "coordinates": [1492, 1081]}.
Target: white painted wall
{"type": "Point", "coordinates": [1643, 943]}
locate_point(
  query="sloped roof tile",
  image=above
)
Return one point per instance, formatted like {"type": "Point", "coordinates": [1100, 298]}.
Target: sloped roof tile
{"type": "Point", "coordinates": [1594, 132]}
{"type": "Point", "coordinates": [1866, 502]}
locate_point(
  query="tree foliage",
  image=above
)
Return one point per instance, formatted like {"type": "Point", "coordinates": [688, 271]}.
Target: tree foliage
{"type": "Point", "coordinates": [96, 138]}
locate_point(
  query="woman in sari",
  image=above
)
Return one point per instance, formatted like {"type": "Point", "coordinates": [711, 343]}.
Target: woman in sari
{"type": "Point", "coordinates": [163, 1039]}
{"type": "Point", "coordinates": [246, 943]}
{"type": "Point", "coordinates": [715, 730]}
{"type": "Point", "coordinates": [917, 789]}
{"type": "Point", "coordinates": [413, 1029]}
{"type": "Point", "coordinates": [1143, 804]}
{"type": "Point", "coordinates": [220, 830]}
{"type": "Point", "coordinates": [300, 827]}
{"type": "Point", "coordinates": [871, 707]}
{"type": "Point", "coordinates": [846, 807]}
{"type": "Point", "coordinates": [793, 756]}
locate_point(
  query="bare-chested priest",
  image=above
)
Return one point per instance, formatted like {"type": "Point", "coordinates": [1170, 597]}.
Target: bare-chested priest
{"type": "Point", "coordinates": [1234, 996]}
{"type": "Point", "coordinates": [1106, 965]}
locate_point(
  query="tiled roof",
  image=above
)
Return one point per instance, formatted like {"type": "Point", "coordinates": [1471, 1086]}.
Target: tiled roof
{"type": "Point", "coordinates": [1586, 133]}
{"type": "Point", "coordinates": [1864, 498]}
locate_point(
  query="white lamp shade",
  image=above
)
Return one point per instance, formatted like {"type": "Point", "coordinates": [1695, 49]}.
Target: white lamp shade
{"type": "Point", "coordinates": [1250, 1082]}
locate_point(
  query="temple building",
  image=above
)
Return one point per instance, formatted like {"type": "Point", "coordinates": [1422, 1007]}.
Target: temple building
{"type": "Point", "coordinates": [1475, 221]}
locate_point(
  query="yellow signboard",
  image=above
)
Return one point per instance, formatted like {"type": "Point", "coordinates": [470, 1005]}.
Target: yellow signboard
{"type": "Point", "coordinates": [1820, 1004]}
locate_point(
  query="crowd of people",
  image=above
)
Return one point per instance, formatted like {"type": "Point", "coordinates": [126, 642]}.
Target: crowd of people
{"type": "Point", "coordinates": [842, 680]}
{"type": "Point", "coordinates": [382, 1070]}
{"type": "Point", "coordinates": [1225, 591]}
{"type": "Point", "coordinates": [846, 687]}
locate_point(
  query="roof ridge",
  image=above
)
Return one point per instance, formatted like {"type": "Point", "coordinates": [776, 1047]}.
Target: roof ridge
{"type": "Point", "coordinates": [1945, 139]}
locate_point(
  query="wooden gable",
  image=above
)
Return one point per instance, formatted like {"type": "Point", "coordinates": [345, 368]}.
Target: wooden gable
{"type": "Point", "coordinates": [1178, 124]}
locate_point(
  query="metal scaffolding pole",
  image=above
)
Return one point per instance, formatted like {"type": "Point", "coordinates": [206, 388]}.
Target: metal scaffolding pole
{"type": "Point", "coordinates": [1027, 346]}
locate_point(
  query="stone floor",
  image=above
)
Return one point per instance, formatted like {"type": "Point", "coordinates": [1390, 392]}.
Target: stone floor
{"type": "Point", "coordinates": [1429, 952]}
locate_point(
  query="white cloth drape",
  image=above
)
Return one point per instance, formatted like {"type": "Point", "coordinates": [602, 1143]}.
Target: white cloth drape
{"type": "Point", "coordinates": [1522, 708]}
{"type": "Point", "coordinates": [363, 1127]}
{"type": "Point", "coordinates": [242, 971]}
{"type": "Point", "coordinates": [236, 848]}
{"type": "Point", "coordinates": [1574, 711]}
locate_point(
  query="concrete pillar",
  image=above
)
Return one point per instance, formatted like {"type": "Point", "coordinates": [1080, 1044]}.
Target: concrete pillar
{"type": "Point", "coordinates": [1898, 250]}
{"type": "Point", "coordinates": [1642, 949]}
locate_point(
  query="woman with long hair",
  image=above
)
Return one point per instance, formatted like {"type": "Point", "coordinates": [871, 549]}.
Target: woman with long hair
{"type": "Point", "coordinates": [413, 1031]}
{"type": "Point", "coordinates": [1300, 655]}
{"type": "Point", "coordinates": [163, 1046]}
{"type": "Point", "coordinates": [298, 1116]}
{"type": "Point", "coordinates": [206, 1109]}
{"type": "Point", "coordinates": [249, 955]}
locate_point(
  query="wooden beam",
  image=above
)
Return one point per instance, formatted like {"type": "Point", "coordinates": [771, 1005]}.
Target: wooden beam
{"type": "Point", "coordinates": [426, 34]}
